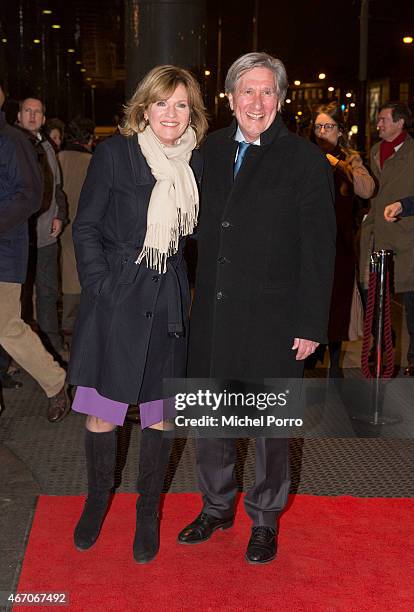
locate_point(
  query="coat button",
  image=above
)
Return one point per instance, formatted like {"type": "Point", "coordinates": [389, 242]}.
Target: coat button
{"type": "Point", "coordinates": [225, 224]}
{"type": "Point", "coordinates": [219, 295]}
{"type": "Point", "coordinates": [222, 260]}
{"type": "Point", "coordinates": [148, 314]}
{"type": "Point", "coordinates": [155, 278]}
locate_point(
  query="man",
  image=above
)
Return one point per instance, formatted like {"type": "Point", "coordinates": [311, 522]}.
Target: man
{"type": "Point", "coordinates": [49, 223]}
{"type": "Point", "coordinates": [266, 254]}
{"type": "Point", "coordinates": [20, 197]}
{"type": "Point", "coordinates": [392, 162]}
{"type": "Point", "coordinates": [74, 163]}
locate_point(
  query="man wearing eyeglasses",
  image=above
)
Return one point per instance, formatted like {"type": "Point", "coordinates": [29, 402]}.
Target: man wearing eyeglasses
{"type": "Point", "coordinates": [266, 253]}
{"type": "Point", "coordinates": [392, 162]}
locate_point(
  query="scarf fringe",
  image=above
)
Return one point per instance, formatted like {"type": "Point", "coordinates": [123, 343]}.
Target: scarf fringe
{"type": "Point", "coordinates": [156, 234]}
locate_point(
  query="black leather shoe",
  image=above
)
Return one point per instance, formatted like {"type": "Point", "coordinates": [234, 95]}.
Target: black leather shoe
{"type": "Point", "coordinates": [262, 545]}
{"type": "Point", "coordinates": [59, 406]}
{"type": "Point", "coordinates": [8, 382]}
{"type": "Point", "coordinates": [203, 528]}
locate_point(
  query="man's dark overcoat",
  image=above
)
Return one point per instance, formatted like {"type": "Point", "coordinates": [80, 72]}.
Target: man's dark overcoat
{"type": "Point", "coordinates": [132, 326]}
{"type": "Point", "coordinates": [266, 256]}
{"type": "Point", "coordinates": [20, 197]}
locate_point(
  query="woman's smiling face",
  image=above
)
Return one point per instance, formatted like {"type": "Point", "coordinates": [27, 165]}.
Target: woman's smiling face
{"type": "Point", "coordinates": [170, 117]}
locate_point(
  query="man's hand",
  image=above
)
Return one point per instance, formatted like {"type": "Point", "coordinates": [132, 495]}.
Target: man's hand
{"type": "Point", "coordinates": [392, 211]}
{"type": "Point", "coordinates": [304, 347]}
{"type": "Point", "coordinates": [56, 228]}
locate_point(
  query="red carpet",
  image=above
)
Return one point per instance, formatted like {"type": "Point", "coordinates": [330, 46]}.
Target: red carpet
{"type": "Point", "coordinates": [335, 554]}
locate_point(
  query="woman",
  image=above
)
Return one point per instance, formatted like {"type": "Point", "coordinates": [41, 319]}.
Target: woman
{"type": "Point", "coordinates": [54, 130]}
{"type": "Point", "coordinates": [138, 202]}
{"type": "Point", "coordinates": [351, 178]}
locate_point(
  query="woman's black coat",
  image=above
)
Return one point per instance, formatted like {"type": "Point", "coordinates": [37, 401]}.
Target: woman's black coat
{"type": "Point", "coordinates": [266, 246]}
{"type": "Point", "coordinates": [132, 325]}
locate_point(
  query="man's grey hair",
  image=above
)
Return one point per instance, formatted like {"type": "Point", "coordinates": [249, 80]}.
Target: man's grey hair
{"type": "Point", "coordinates": [258, 60]}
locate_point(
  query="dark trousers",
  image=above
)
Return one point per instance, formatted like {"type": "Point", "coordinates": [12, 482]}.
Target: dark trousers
{"type": "Point", "coordinates": [47, 293]}
{"type": "Point", "coordinates": [4, 362]}
{"type": "Point", "coordinates": [268, 496]}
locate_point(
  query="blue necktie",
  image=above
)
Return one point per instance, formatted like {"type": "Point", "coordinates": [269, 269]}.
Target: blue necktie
{"type": "Point", "coordinates": [240, 156]}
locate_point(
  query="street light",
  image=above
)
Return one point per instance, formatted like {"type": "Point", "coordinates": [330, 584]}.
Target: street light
{"type": "Point", "coordinates": [331, 88]}
{"type": "Point", "coordinates": [348, 94]}
{"type": "Point", "coordinates": [222, 95]}
{"type": "Point", "coordinates": [36, 41]}
{"type": "Point", "coordinates": [288, 100]}
{"type": "Point", "coordinates": [46, 12]}
{"type": "Point", "coordinates": [408, 40]}
{"type": "Point", "coordinates": [56, 26]}
{"type": "Point", "coordinates": [321, 76]}
{"type": "Point", "coordinates": [297, 83]}
{"type": "Point", "coordinates": [71, 50]}
{"type": "Point", "coordinates": [207, 72]}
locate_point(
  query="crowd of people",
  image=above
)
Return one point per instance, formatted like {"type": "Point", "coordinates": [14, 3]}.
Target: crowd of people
{"type": "Point", "coordinates": [284, 237]}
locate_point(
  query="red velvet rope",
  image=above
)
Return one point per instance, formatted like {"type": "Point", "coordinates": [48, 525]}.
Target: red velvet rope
{"type": "Point", "coordinates": [389, 351]}
{"type": "Point", "coordinates": [369, 317]}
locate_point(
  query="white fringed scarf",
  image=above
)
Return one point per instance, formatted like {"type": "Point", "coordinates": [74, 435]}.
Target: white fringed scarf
{"type": "Point", "coordinates": [173, 206]}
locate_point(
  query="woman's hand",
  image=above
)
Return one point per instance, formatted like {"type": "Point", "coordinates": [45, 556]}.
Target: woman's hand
{"type": "Point", "coordinates": [332, 160]}
{"type": "Point", "coordinates": [392, 211]}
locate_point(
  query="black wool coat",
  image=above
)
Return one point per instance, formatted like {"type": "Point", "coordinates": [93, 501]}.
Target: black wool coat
{"type": "Point", "coordinates": [266, 243]}
{"type": "Point", "coordinates": [132, 326]}
{"type": "Point", "coordinates": [20, 197]}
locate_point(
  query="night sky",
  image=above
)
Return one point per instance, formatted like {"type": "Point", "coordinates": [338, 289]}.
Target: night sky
{"type": "Point", "coordinates": [311, 36]}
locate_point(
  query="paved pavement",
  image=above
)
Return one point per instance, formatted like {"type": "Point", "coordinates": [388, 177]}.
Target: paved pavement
{"type": "Point", "coordinates": [37, 457]}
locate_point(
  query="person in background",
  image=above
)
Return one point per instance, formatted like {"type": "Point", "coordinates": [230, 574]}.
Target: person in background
{"type": "Point", "coordinates": [20, 197]}
{"type": "Point", "coordinates": [403, 208]}
{"type": "Point", "coordinates": [392, 162]}
{"type": "Point", "coordinates": [351, 179]}
{"type": "Point", "coordinates": [47, 228]}
{"type": "Point", "coordinates": [74, 162]}
{"type": "Point", "coordinates": [54, 130]}
{"type": "Point", "coordinates": [138, 203]}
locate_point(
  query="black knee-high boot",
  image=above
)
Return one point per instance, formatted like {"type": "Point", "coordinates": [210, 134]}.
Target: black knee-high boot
{"type": "Point", "coordinates": [153, 460]}
{"type": "Point", "coordinates": [100, 449]}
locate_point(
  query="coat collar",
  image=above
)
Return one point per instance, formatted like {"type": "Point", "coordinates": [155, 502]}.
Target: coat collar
{"type": "Point", "coordinates": [401, 155]}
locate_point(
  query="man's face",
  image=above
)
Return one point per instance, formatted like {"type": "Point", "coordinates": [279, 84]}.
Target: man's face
{"type": "Point", "coordinates": [255, 102]}
{"type": "Point", "coordinates": [388, 129]}
{"type": "Point", "coordinates": [31, 117]}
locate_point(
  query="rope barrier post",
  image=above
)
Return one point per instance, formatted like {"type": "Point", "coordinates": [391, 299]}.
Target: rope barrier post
{"type": "Point", "coordinates": [382, 266]}
{"type": "Point", "coordinates": [378, 303]}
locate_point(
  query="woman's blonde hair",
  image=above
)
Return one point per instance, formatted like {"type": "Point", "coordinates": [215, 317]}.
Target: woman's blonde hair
{"type": "Point", "coordinates": [159, 84]}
